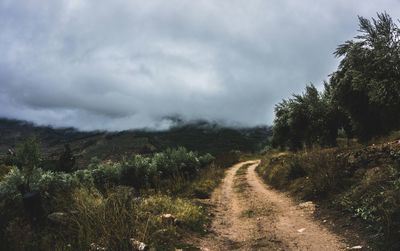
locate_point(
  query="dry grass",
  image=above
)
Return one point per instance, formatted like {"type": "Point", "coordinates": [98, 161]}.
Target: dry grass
{"type": "Point", "coordinates": [111, 220]}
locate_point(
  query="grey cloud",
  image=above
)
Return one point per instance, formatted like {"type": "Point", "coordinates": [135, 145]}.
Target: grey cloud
{"type": "Point", "coordinates": [128, 64]}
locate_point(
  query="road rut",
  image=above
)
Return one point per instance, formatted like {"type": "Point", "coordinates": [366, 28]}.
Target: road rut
{"type": "Point", "coordinates": [249, 215]}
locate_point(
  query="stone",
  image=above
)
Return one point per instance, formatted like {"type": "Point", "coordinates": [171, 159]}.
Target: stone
{"type": "Point", "coordinates": [301, 230]}
{"type": "Point", "coordinates": [168, 218]}
{"type": "Point", "coordinates": [138, 245]}
{"type": "Point", "coordinates": [355, 247]}
{"type": "Point", "coordinates": [95, 247]}
{"type": "Point", "coordinates": [58, 217]}
{"type": "Point", "coordinates": [308, 206]}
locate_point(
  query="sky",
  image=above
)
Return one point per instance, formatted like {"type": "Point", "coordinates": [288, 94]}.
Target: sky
{"type": "Point", "coordinates": [127, 64]}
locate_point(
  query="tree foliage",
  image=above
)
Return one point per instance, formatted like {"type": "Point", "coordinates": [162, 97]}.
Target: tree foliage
{"type": "Point", "coordinates": [305, 120]}
{"type": "Point", "coordinates": [362, 96]}
{"type": "Point", "coordinates": [28, 157]}
{"type": "Point", "coordinates": [367, 82]}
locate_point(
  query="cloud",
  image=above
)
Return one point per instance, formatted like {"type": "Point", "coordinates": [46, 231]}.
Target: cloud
{"type": "Point", "coordinates": [128, 64]}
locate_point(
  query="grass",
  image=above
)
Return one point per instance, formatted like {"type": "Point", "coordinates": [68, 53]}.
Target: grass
{"type": "Point", "coordinates": [110, 221]}
{"type": "Point", "coordinates": [206, 182]}
{"type": "Point", "coordinates": [240, 183]}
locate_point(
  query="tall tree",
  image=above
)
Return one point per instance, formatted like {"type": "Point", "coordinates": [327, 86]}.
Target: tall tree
{"type": "Point", "coordinates": [305, 120]}
{"type": "Point", "coordinates": [367, 83]}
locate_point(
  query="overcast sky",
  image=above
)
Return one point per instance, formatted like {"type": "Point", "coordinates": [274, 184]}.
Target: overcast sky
{"type": "Point", "coordinates": [128, 64]}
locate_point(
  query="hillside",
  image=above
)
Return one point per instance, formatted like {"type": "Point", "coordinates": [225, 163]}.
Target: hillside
{"type": "Point", "coordinates": [200, 136]}
{"type": "Point", "coordinates": [357, 188]}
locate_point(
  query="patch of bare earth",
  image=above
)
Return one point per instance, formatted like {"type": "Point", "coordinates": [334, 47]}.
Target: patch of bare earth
{"type": "Point", "coordinates": [251, 216]}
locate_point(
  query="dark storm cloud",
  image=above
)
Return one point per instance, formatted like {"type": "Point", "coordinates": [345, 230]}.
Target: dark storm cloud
{"type": "Point", "coordinates": [128, 64]}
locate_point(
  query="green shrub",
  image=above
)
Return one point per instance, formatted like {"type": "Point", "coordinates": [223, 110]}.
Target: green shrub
{"type": "Point", "coordinates": [176, 161]}
{"type": "Point", "coordinates": [84, 177]}
{"type": "Point", "coordinates": [106, 175]}
{"type": "Point", "coordinates": [98, 210]}
{"type": "Point", "coordinates": [137, 172]}
{"type": "Point", "coordinates": [11, 181]}
{"type": "Point", "coordinates": [10, 196]}
{"type": "Point", "coordinates": [4, 170]}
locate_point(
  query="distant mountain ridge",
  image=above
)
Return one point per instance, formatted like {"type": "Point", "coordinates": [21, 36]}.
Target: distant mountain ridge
{"type": "Point", "coordinates": [201, 136]}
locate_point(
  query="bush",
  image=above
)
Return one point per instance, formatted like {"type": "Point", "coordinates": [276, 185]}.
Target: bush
{"type": "Point", "coordinates": [4, 170]}
{"type": "Point", "coordinates": [96, 209]}
{"type": "Point", "coordinates": [176, 161]}
{"type": "Point", "coordinates": [106, 175]}
{"type": "Point", "coordinates": [137, 172]}
{"type": "Point", "coordinates": [10, 196]}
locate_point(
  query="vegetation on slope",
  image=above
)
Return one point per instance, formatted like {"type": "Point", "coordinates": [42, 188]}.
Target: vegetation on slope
{"type": "Point", "coordinates": [200, 136]}
{"type": "Point", "coordinates": [108, 206]}
{"type": "Point", "coordinates": [363, 182]}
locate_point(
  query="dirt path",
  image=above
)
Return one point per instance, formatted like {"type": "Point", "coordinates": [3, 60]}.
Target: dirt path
{"type": "Point", "coordinates": [251, 216]}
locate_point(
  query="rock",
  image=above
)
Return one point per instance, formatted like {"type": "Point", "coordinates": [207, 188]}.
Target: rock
{"type": "Point", "coordinates": [168, 218]}
{"type": "Point", "coordinates": [308, 206]}
{"type": "Point", "coordinates": [138, 245]}
{"type": "Point", "coordinates": [355, 247]}
{"type": "Point", "coordinates": [58, 217]}
{"type": "Point", "coordinates": [301, 230]}
{"type": "Point", "coordinates": [95, 247]}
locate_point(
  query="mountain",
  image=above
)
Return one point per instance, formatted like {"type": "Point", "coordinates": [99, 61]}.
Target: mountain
{"type": "Point", "coordinates": [201, 136]}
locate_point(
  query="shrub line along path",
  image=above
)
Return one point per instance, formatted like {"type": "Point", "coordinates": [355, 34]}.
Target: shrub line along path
{"type": "Point", "coordinates": [249, 215]}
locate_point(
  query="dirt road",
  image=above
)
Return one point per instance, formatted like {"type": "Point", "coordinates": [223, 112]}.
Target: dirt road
{"type": "Point", "coordinates": [251, 216]}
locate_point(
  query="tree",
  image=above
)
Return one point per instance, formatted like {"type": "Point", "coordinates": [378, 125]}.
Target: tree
{"type": "Point", "coordinates": [66, 161]}
{"type": "Point", "coordinates": [305, 120]}
{"type": "Point", "coordinates": [367, 83]}
{"type": "Point", "coordinates": [28, 158]}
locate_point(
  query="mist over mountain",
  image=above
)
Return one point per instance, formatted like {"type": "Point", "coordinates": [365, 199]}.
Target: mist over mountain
{"type": "Point", "coordinates": [201, 136]}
